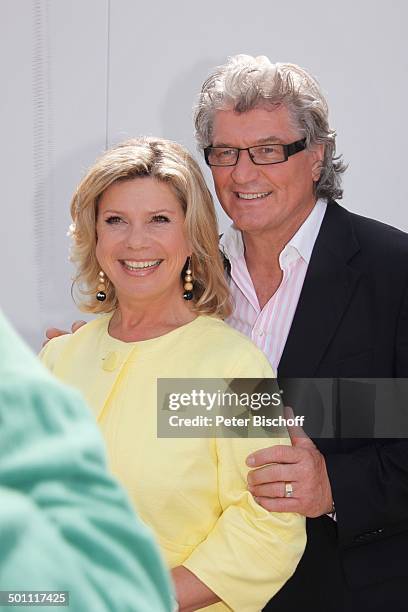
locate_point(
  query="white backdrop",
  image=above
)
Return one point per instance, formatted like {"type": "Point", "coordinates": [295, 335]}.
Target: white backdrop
{"type": "Point", "coordinates": [80, 75]}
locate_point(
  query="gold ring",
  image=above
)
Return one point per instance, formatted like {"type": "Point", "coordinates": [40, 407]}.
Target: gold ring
{"type": "Point", "coordinates": [288, 489]}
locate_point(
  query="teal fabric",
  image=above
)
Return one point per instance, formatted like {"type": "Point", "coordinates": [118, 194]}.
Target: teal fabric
{"type": "Point", "coordinates": [64, 522]}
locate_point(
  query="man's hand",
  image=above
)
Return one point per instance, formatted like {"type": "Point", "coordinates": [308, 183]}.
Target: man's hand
{"type": "Point", "coordinates": [54, 332]}
{"type": "Point", "coordinates": [301, 465]}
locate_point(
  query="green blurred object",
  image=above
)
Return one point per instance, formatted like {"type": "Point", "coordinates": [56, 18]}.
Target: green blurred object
{"type": "Point", "coordinates": [65, 524]}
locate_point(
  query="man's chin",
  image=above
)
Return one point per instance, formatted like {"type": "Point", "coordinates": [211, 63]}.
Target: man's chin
{"type": "Point", "coordinates": [247, 224]}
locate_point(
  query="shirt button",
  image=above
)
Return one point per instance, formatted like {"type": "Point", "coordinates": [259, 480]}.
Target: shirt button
{"type": "Point", "coordinates": [110, 362]}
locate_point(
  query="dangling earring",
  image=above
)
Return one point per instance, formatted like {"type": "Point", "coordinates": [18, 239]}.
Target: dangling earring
{"type": "Point", "coordinates": [188, 282]}
{"type": "Point", "coordinates": [101, 295]}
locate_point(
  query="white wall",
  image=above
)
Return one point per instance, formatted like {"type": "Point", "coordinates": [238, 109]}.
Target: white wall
{"type": "Point", "coordinates": [81, 74]}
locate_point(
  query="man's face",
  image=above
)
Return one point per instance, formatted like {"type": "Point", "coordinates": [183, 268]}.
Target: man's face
{"type": "Point", "coordinates": [264, 198]}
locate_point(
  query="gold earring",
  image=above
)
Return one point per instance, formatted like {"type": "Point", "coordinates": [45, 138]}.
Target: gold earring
{"type": "Point", "coordinates": [101, 295]}
{"type": "Point", "coordinates": [188, 282]}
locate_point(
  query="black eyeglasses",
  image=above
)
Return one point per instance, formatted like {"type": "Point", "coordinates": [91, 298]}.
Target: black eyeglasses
{"type": "Point", "coordinates": [260, 154]}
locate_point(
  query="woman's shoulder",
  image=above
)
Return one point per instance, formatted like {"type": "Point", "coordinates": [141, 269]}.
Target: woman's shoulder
{"type": "Point", "coordinates": [216, 340]}
{"type": "Point", "coordinates": [222, 333]}
{"type": "Point", "coordinates": [54, 348]}
{"type": "Point", "coordinates": [51, 352]}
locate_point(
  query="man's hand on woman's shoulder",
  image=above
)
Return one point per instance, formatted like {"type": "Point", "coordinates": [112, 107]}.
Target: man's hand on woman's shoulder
{"type": "Point", "coordinates": [54, 332]}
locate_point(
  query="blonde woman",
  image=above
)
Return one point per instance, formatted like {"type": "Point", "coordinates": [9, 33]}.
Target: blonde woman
{"type": "Point", "coordinates": [145, 244]}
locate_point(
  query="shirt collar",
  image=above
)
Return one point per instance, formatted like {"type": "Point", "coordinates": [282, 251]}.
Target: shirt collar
{"type": "Point", "coordinates": [304, 239]}
{"type": "Point", "coordinates": [301, 244]}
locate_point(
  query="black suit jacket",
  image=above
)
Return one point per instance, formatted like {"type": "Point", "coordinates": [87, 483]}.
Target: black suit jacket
{"type": "Point", "coordinates": [352, 321]}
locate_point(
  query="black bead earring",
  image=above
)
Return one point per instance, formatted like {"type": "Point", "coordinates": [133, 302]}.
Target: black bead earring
{"type": "Point", "coordinates": [188, 282]}
{"type": "Point", "coordinates": [101, 295]}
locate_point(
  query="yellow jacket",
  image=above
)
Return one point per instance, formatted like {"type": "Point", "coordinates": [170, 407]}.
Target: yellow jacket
{"type": "Point", "coordinates": [191, 491]}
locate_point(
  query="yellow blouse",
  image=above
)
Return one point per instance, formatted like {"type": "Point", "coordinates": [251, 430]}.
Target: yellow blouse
{"type": "Point", "coordinates": [192, 492]}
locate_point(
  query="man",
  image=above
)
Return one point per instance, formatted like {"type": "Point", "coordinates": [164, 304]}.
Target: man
{"type": "Point", "coordinates": [324, 293]}
{"type": "Point", "coordinates": [65, 524]}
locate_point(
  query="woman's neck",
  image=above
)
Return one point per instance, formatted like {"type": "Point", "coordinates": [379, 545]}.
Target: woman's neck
{"type": "Point", "coordinates": [144, 321]}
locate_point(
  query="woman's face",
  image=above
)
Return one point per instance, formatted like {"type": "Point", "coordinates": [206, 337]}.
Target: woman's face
{"type": "Point", "coordinates": [142, 245]}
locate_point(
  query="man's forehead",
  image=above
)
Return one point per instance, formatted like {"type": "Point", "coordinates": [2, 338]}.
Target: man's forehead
{"type": "Point", "coordinates": [231, 140]}
{"type": "Point", "coordinates": [256, 126]}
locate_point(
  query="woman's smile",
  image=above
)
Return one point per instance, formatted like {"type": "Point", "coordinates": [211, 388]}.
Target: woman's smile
{"type": "Point", "coordinates": [140, 267]}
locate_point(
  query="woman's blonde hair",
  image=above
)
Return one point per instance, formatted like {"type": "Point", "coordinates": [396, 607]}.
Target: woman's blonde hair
{"type": "Point", "coordinates": [170, 163]}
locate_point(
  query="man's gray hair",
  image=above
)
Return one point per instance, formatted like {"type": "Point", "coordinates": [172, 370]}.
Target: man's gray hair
{"type": "Point", "coordinates": [247, 82]}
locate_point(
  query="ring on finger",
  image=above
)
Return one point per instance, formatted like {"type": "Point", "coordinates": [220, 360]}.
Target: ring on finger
{"type": "Point", "coordinates": [288, 490]}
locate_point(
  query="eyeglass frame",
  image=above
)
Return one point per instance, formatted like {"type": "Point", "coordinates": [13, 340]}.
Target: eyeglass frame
{"type": "Point", "coordinates": [288, 149]}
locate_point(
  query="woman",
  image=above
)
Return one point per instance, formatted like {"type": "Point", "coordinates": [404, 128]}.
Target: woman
{"type": "Point", "coordinates": [146, 248]}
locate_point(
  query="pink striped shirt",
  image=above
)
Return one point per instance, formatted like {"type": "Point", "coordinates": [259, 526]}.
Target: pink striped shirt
{"type": "Point", "coordinates": [269, 327]}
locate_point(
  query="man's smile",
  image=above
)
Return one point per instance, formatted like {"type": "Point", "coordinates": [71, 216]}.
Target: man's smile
{"type": "Point", "coordinates": [252, 196]}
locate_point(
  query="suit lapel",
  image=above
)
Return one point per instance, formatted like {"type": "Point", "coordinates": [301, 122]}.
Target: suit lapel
{"type": "Point", "coordinates": [329, 284]}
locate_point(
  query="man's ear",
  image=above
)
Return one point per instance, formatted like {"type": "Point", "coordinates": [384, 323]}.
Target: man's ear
{"type": "Point", "coordinates": [318, 157]}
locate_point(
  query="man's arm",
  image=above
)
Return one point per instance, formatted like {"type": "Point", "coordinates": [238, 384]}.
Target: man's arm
{"type": "Point", "coordinates": [375, 476]}
{"type": "Point", "coordinates": [369, 485]}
